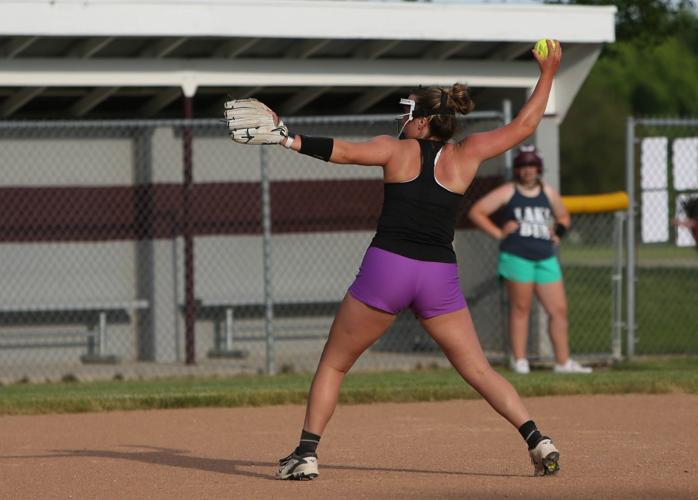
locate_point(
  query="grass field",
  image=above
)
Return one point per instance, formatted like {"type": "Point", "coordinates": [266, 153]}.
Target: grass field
{"type": "Point", "coordinates": [646, 254]}
{"type": "Point", "coordinates": [666, 317]}
{"type": "Point", "coordinates": [667, 284]}
{"type": "Point", "coordinates": [658, 376]}
{"type": "Point", "coordinates": [589, 297]}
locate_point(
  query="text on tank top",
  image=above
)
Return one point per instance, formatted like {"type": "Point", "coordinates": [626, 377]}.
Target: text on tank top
{"type": "Point", "coordinates": [534, 217]}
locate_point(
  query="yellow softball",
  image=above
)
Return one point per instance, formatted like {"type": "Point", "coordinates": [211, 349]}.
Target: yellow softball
{"type": "Point", "coordinates": [542, 47]}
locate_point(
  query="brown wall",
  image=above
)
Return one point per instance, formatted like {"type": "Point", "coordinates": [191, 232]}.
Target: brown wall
{"type": "Point", "coordinates": [135, 212]}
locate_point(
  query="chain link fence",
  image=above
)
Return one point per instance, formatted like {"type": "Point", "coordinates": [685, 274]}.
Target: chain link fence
{"type": "Point", "coordinates": [158, 248]}
{"type": "Point", "coordinates": [592, 260]}
{"type": "Point", "coordinates": [662, 174]}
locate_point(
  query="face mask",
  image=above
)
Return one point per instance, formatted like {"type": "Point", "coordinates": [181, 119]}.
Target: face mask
{"type": "Point", "coordinates": [409, 115]}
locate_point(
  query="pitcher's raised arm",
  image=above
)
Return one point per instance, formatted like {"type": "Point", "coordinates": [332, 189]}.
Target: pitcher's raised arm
{"type": "Point", "coordinates": [479, 147]}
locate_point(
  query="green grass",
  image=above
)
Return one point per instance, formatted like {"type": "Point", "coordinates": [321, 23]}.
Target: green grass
{"type": "Point", "coordinates": [666, 316]}
{"type": "Point", "coordinates": [660, 376]}
{"type": "Point", "coordinates": [589, 313]}
{"type": "Point", "coordinates": [575, 254]}
{"type": "Point", "coordinates": [646, 254]}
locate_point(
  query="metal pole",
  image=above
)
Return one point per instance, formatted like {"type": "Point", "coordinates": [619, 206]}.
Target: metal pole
{"type": "Point", "coordinates": [144, 206]}
{"type": "Point", "coordinates": [229, 329]}
{"type": "Point", "coordinates": [630, 183]}
{"type": "Point", "coordinates": [175, 284]}
{"type": "Point", "coordinates": [617, 288]}
{"type": "Point", "coordinates": [503, 298]}
{"type": "Point", "coordinates": [506, 116]}
{"type": "Point", "coordinates": [76, 125]}
{"type": "Point", "coordinates": [266, 243]}
{"type": "Point", "coordinates": [189, 307]}
{"type": "Point", "coordinates": [102, 333]}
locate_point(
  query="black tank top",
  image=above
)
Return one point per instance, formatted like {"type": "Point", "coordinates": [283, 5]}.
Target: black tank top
{"type": "Point", "coordinates": [419, 216]}
{"type": "Point", "coordinates": [532, 240]}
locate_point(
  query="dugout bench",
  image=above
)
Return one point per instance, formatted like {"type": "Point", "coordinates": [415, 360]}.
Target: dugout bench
{"type": "Point", "coordinates": [404, 335]}
{"type": "Point", "coordinates": [95, 316]}
{"type": "Point", "coordinates": [227, 313]}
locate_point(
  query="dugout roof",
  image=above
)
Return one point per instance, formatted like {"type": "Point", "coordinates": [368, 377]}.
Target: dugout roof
{"type": "Point", "coordinates": [136, 58]}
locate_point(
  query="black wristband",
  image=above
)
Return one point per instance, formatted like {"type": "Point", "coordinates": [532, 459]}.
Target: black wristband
{"type": "Point", "coordinates": [317, 147]}
{"type": "Point", "coordinates": [560, 230]}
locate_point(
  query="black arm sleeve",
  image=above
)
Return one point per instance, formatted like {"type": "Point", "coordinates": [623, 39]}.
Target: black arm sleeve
{"type": "Point", "coordinates": [317, 147]}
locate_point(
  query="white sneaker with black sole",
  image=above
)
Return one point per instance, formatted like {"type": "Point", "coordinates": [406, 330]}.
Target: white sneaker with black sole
{"type": "Point", "coordinates": [298, 467]}
{"type": "Point", "coordinates": [545, 458]}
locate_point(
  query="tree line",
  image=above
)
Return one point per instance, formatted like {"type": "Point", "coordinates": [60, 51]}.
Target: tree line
{"type": "Point", "coordinates": [651, 70]}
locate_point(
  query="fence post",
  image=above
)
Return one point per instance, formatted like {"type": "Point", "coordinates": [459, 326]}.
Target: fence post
{"type": "Point", "coordinates": [506, 118]}
{"type": "Point", "coordinates": [266, 243]}
{"type": "Point", "coordinates": [617, 288]}
{"type": "Point", "coordinates": [189, 307]}
{"type": "Point", "coordinates": [172, 219]}
{"type": "Point", "coordinates": [147, 334]}
{"type": "Point", "coordinates": [631, 258]}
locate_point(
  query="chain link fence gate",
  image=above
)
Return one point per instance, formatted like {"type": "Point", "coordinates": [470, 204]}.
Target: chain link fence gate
{"type": "Point", "coordinates": [662, 174]}
{"type": "Point", "coordinates": [592, 261]}
{"type": "Point", "coordinates": [100, 226]}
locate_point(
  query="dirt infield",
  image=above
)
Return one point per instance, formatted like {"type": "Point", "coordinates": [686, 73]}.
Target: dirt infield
{"type": "Point", "coordinates": [611, 447]}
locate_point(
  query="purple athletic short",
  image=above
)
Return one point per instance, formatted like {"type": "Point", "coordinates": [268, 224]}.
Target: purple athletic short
{"type": "Point", "coordinates": [391, 283]}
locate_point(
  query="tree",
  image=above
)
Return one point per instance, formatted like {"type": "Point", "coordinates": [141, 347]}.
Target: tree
{"type": "Point", "coordinates": [632, 77]}
{"type": "Point", "coordinates": [641, 21]}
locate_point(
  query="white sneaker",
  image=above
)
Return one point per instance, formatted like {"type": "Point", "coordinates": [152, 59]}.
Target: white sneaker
{"type": "Point", "coordinates": [298, 467]}
{"type": "Point", "coordinates": [545, 458]}
{"type": "Point", "coordinates": [571, 367]}
{"type": "Point", "coordinates": [520, 366]}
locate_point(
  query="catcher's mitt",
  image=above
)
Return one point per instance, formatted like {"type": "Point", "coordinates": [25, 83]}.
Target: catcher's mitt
{"type": "Point", "coordinates": [251, 122]}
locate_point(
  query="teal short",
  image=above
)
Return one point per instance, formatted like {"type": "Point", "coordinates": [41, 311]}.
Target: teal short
{"type": "Point", "coordinates": [515, 268]}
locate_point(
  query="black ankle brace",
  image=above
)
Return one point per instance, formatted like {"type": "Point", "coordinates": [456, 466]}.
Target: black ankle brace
{"type": "Point", "coordinates": [531, 434]}
{"type": "Point", "coordinates": [308, 443]}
